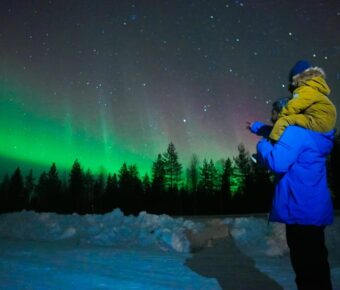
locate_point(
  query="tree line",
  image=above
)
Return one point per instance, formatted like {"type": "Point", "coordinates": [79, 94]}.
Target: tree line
{"type": "Point", "coordinates": [236, 185]}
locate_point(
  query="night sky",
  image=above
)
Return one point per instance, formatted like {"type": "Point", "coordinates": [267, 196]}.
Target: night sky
{"type": "Point", "coordinates": [109, 82]}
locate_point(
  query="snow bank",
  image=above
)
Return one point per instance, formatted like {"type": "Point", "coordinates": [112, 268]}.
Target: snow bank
{"type": "Point", "coordinates": [111, 229]}
{"type": "Point", "coordinates": [254, 235]}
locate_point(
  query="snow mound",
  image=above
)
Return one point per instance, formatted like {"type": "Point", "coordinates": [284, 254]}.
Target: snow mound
{"type": "Point", "coordinates": [111, 229]}
{"type": "Point", "coordinates": [253, 235]}
{"type": "Point", "coordinates": [207, 235]}
{"type": "Point", "coordinates": [256, 233]}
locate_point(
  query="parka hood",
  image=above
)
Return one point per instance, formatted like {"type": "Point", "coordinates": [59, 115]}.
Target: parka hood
{"type": "Point", "coordinates": [319, 84]}
{"type": "Point", "coordinates": [313, 77]}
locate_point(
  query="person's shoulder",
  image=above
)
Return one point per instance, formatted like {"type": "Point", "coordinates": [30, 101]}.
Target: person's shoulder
{"type": "Point", "coordinates": [293, 129]}
{"type": "Point", "coordinates": [294, 134]}
{"type": "Point", "coordinates": [303, 135]}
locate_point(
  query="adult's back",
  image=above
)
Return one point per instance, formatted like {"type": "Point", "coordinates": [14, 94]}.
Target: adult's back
{"type": "Point", "coordinates": [298, 160]}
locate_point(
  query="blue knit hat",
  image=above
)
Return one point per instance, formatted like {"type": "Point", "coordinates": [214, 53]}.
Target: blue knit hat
{"type": "Point", "coordinates": [299, 68]}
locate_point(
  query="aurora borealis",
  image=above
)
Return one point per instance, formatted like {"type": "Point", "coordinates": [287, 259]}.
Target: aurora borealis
{"type": "Point", "coordinates": [107, 82]}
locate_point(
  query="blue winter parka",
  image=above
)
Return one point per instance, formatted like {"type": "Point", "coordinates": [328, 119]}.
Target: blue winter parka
{"type": "Point", "coordinates": [298, 160]}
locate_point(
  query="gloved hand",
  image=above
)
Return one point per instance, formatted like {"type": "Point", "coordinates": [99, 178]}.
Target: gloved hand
{"type": "Point", "coordinates": [259, 128]}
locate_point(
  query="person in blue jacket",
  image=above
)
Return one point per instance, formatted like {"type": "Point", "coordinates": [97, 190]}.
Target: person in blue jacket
{"type": "Point", "coordinates": [302, 199]}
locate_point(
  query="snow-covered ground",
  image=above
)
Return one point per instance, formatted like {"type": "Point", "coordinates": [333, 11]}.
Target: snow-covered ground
{"type": "Point", "coordinates": [113, 251]}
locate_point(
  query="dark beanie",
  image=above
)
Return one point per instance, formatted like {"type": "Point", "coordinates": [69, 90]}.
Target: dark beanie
{"type": "Point", "coordinates": [299, 68]}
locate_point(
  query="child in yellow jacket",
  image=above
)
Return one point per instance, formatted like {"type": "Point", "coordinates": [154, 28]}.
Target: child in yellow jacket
{"type": "Point", "coordinates": [309, 106]}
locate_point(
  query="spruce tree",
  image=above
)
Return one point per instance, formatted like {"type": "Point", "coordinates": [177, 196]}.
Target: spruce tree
{"type": "Point", "coordinates": [146, 184]}
{"type": "Point", "coordinates": [158, 175]}
{"type": "Point", "coordinates": [157, 199]}
{"type": "Point", "coordinates": [173, 169]}
{"type": "Point", "coordinates": [54, 190]}
{"type": "Point", "coordinates": [226, 176]}
{"type": "Point", "coordinates": [4, 194]}
{"type": "Point", "coordinates": [39, 198]}
{"type": "Point", "coordinates": [193, 174]}
{"type": "Point", "coordinates": [76, 188]}
{"type": "Point", "coordinates": [99, 189]}
{"type": "Point", "coordinates": [262, 189]}
{"type": "Point", "coordinates": [124, 186]}
{"type": "Point", "coordinates": [136, 190]}
{"type": "Point", "coordinates": [225, 192]}
{"type": "Point", "coordinates": [243, 165]}
{"type": "Point", "coordinates": [204, 176]}
{"type": "Point", "coordinates": [208, 186]}
{"type": "Point", "coordinates": [213, 176]}
{"type": "Point", "coordinates": [208, 177]}
{"type": "Point", "coordinates": [130, 187]}
{"type": "Point", "coordinates": [111, 191]}
{"type": "Point", "coordinates": [89, 181]}
{"type": "Point", "coordinates": [17, 197]}
{"type": "Point", "coordinates": [191, 194]}
{"type": "Point", "coordinates": [124, 178]}
{"type": "Point", "coordinates": [29, 187]}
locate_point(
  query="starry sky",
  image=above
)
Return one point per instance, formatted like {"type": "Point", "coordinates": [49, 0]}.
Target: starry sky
{"type": "Point", "coordinates": [109, 82]}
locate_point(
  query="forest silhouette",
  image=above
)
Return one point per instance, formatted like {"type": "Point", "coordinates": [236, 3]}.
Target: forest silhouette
{"type": "Point", "coordinates": [233, 186]}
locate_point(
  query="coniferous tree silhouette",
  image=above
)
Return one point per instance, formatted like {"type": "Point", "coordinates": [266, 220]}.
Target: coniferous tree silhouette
{"type": "Point", "coordinates": [38, 198]}
{"type": "Point", "coordinates": [4, 194]}
{"type": "Point", "coordinates": [99, 190]}
{"type": "Point", "coordinates": [262, 188]}
{"type": "Point", "coordinates": [243, 167]}
{"type": "Point", "coordinates": [115, 187]}
{"type": "Point", "coordinates": [130, 187]}
{"type": "Point", "coordinates": [193, 174]}
{"type": "Point", "coordinates": [173, 180]}
{"type": "Point", "coordinates": [158, 200]}
{"type": "Point", "coordinates": [17, 197]}
{"type": "Point", "coordinates": [110, 193]}
{"type": "Point", "coordinates": [192, 184]}
{"type": "Point", "coordinates": [136, 190]}
{"type": "Point", "coordinates": [203, 187]}
{"type": "Point", "coordinates": [29, 187]}
{"type": "Point", "coordinates": [208, 186]}
{"type": "Point", "coordinates": [243, 163]}
{"type": "Point", "coordinates": [124, 184]}
{"type": "Point", "coordinates": [76, 189]}
{"type": "Point", "coordinates": [48, 193]}
{"type": "Point", "coordinates": [214, 176]}
{"type": "Point", "coordinates": [89, 181]}
{"type": "Point", "coordinates": [65, 201]}
{"type": "Point", "coordinates": [204, 184]}
{"type": "Point", "coordinates": [173, 169]}
{"type": "Point", "coordinates": [146, 184]}
{"type": "Point", "coordinates": [53, 194]}
{"type": "Point", "coordinates": [207, 190]}
{"type": "Point", "coordinates": [224, 199]}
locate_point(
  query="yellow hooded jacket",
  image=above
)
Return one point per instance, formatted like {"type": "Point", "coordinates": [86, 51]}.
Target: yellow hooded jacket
{"type": "Point", "coordinates": [309, 108]}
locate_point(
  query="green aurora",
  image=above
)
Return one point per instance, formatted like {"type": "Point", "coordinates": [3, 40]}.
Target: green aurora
{"type": "Point", "coordinates": [32, 137]}
{"type": "Point", "coordinates": [35, 132]}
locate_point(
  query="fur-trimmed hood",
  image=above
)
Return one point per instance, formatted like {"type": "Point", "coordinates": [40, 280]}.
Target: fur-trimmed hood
{"type": "Point", "coordinates": [314, 77]}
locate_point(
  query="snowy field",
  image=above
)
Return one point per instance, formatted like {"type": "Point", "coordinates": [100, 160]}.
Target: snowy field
{"type": "Point", "coordinates": [113, 251]}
